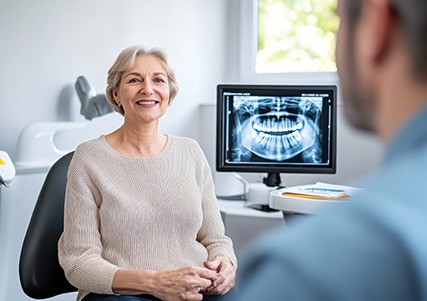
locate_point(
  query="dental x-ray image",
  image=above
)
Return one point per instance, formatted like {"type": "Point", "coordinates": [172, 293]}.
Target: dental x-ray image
{"type": "Point", "coordinates": [276, 128]}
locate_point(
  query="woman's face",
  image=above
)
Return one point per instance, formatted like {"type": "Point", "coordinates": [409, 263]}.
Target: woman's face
{"type": "Point", "coordinates": [144, 90]}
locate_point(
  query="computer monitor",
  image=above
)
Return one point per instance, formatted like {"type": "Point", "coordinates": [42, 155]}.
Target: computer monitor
{"type": "Point", "coordinates": [276, 129]}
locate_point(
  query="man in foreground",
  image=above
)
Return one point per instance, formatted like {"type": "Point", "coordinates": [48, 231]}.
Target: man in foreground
{"type": "Point", "coordinates": [374, 248]}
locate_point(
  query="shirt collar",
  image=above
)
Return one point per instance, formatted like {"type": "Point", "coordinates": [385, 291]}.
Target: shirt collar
{"type": "Point", "coordinates": [411, 136]}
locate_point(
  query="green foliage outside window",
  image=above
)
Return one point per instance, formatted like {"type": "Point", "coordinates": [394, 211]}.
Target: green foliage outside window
{"type": "Point", "coordinates": [296, 36]}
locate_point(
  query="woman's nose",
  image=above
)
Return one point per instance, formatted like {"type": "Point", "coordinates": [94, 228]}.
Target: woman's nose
{"type": "Point", "coordinates": [147, 89]}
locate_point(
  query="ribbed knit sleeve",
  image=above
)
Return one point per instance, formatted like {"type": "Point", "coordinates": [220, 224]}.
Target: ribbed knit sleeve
{"type": "Point", "coordinates": [212, 232]}
{"type": "Point", "coordinates": [152, 213]}
{"type": "Point", "coordinates": [80, 247]}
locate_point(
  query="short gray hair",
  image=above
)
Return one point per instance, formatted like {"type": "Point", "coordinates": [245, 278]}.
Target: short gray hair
{"type": "Point", "coordinates": [412, 15]}
{"type": "Point", "coordinates": [125, 61]}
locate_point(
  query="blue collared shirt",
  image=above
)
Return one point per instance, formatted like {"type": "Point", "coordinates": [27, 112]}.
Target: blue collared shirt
{"type": "Point", "coordinates": [374, 248]}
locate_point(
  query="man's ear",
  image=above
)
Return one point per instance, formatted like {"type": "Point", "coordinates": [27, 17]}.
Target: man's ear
{"type": "Point", "coordinates": [379, 29]}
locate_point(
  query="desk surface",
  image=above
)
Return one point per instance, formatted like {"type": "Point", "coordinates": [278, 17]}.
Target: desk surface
{"type": "Point", "coordinates": [238, 208]}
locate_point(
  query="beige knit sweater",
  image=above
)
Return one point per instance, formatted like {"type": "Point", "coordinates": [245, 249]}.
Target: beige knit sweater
{"type": "Point", "coordinates": [138, 213]}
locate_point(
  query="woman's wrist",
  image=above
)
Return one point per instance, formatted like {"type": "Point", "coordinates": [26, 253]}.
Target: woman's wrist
{"type": "Point", "coordinates": [133, 282]}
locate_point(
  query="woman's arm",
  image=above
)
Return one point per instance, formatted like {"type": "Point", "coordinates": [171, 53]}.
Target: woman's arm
{"type": "Point", "coordinates": [80, 248]}
{"type": "Point", "coordinates": [222, 258]}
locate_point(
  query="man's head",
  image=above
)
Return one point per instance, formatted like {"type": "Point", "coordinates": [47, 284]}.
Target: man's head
{"type": "Point", "coordinates": [369, 34]}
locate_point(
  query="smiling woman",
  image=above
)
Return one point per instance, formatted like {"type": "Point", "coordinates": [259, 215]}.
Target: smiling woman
{"type": "Point", "coordinates": [141, 216]}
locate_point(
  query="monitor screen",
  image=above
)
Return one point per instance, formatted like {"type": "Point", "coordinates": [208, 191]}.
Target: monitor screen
{"type": "Point", "coordinates": [276, 129]}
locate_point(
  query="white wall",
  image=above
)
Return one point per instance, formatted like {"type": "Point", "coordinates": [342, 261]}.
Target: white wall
{"type": "Point", "coordinates": [47, 44]}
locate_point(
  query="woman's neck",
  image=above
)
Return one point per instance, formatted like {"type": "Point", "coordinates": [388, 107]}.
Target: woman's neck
{"type": "Point", "coordinates": [137, 142]}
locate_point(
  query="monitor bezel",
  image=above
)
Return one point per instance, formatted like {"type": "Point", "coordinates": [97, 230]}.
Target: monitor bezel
{"type": "Point", "coordinates": [221, 164]}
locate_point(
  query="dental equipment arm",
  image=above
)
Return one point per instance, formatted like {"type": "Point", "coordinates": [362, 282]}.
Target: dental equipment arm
{"type": "Point", "coordinates": [93, 104]}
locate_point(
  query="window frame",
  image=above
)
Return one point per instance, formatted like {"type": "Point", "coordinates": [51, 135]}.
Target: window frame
{"type": "Point", "coordinates": [248, 51]}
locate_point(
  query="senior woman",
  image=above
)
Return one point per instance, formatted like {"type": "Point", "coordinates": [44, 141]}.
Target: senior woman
{"type": "Point", "coordinates": [141, 217]}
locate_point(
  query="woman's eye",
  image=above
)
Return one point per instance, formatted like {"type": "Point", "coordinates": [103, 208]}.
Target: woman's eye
{"type": "Point", "coordinates": [159, 80]}
{"type": "Point", "coordinates": [134, 80]}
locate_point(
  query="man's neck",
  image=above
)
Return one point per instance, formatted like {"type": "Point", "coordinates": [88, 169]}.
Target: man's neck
{"type": "Point", "coordinates": [399, 100]}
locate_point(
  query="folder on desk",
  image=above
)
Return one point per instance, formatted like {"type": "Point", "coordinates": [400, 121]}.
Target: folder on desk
{"type": "Point", "coordinates": [320, 190]}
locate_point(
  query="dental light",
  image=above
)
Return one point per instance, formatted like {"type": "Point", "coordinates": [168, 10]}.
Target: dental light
{"type": "Point", "coordinates": [93, 104]}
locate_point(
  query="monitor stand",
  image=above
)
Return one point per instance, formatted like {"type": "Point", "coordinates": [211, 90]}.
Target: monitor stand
{"type": "Point", "coordinates": [272, 180]}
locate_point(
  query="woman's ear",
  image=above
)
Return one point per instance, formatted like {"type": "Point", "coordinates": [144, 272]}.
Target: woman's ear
{"type": "Point", "coordinates": [116, 97]}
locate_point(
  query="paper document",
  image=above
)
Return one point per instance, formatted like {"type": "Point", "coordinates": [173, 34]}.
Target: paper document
{"type": "Point", "coordinates": [321, 190]}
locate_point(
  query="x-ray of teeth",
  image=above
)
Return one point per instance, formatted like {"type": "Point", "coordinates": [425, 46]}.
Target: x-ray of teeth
{"type": "Point", "coordinates": [277, 128]}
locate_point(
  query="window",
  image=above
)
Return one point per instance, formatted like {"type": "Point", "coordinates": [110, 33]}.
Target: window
{"type": "Point", "coordinates": [295, 36]}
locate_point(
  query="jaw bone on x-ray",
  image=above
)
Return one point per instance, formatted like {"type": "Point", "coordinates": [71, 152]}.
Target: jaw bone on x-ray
{"type": "Point", "coordinates": [277, 128]}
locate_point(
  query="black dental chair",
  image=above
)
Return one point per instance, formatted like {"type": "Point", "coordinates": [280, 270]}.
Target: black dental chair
{"type": "Point", "coordinates": [39, 270]}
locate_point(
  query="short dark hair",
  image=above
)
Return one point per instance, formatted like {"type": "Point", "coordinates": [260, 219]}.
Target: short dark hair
{"type": "Point", "coordinates": [412, 16]}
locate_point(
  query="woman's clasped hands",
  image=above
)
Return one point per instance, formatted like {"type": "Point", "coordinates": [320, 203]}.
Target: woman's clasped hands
{"type": "Point", "coordinates": [226, 276]}
{"type": "Point", "coordinates": [190, 283]}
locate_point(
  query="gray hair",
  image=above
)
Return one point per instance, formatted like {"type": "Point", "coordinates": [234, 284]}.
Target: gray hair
{"type": "Point", "coordinates": [412, 15]}
{"type": "Point", "coordinates": [125, 61]}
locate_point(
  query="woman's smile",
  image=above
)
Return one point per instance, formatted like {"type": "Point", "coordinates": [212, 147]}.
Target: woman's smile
{"type": "Point", "coordinates": [147, 103]}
